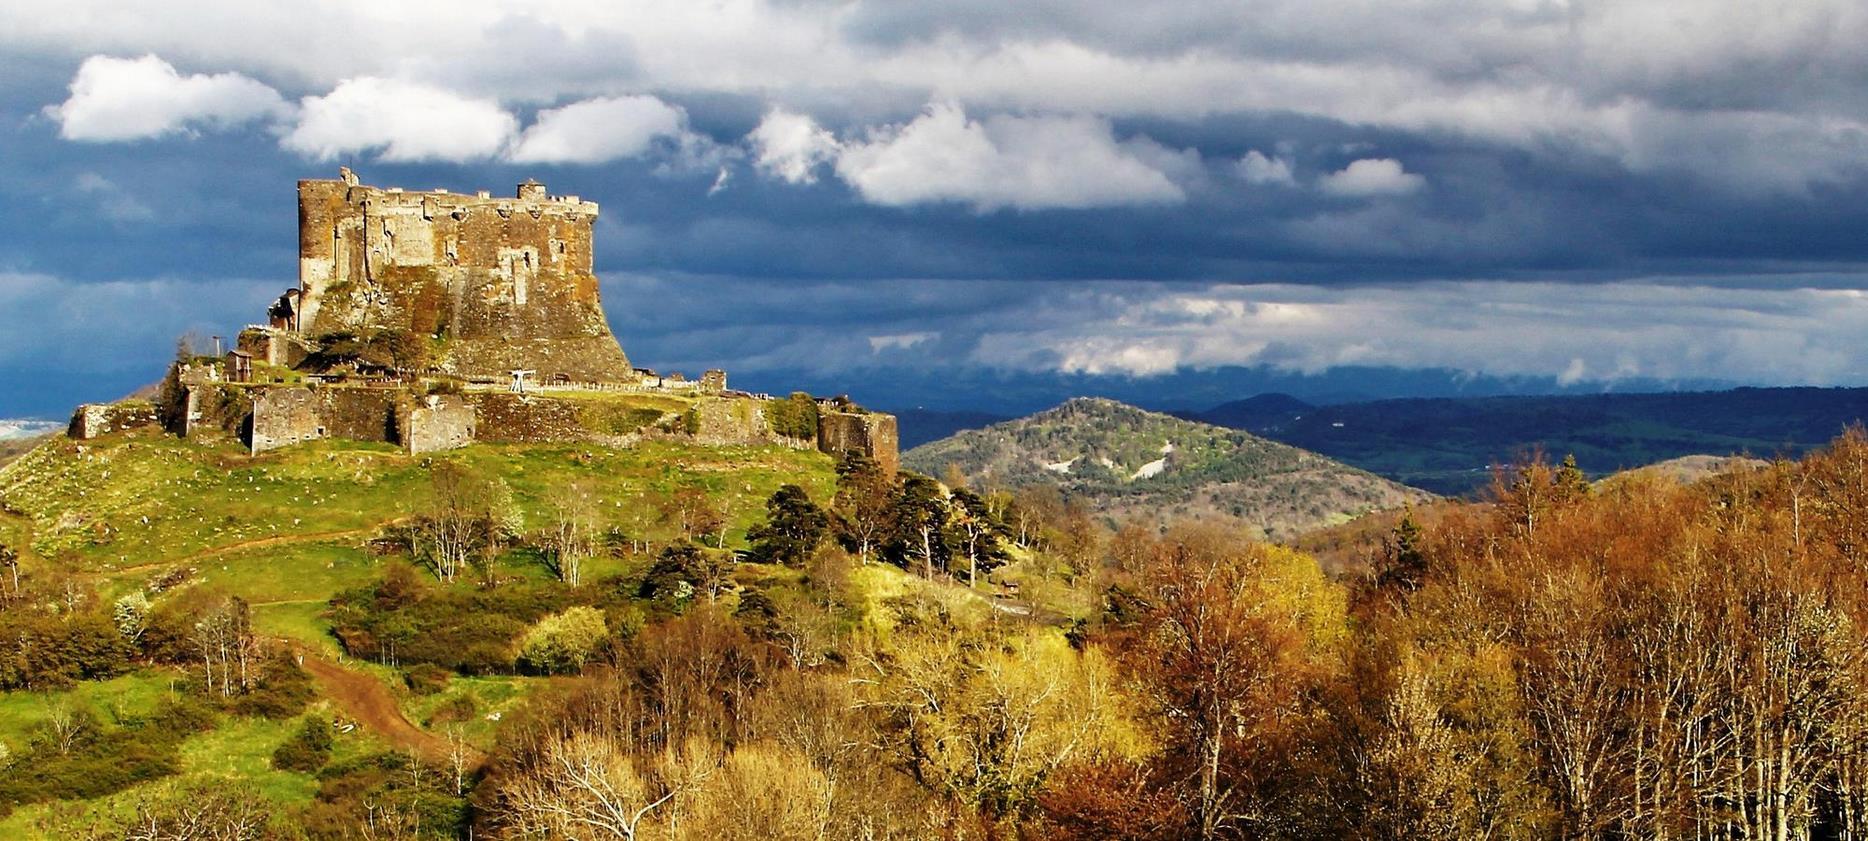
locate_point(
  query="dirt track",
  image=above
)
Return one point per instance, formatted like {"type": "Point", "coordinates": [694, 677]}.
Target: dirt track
{"type": "Point", "coordinates": [364, 698]}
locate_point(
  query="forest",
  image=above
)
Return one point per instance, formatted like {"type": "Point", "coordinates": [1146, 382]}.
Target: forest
{"type": "Point", "coordinates": [911, 658]}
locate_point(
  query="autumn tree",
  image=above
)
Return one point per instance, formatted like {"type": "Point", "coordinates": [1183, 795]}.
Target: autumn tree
{"type": "Point", "coordinates": [1229, 636]}
{"type": "Point", "coordinates": [459, 522]}
{"type": "Point", "coordinates": [693, 514]}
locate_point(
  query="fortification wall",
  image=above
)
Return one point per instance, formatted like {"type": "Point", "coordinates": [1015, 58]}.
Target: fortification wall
{"type": "Point", "coordinates": [94, 419]}
{"type": "Point", "coordinates": [506, 418]}
{"type": "Point", "coordinates": [507, 281]}
{"type": "Point", "coordinates": [436, 422]}
{"type": "Point", "coordinates": [293, 415]}
{"type": "Point", "coordinates": [732, 422]}
{"type": "Point", "coordinates": [871, 433]}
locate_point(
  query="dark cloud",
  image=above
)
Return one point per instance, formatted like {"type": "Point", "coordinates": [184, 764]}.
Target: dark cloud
{"type": "Point", "coordinates": [1007, 203]}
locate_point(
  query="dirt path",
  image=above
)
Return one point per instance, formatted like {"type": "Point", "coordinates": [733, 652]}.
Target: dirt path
{"type": "Point", "coordinates": [255, 543]}
{"type": "Point", "coordinates": [364, 698]}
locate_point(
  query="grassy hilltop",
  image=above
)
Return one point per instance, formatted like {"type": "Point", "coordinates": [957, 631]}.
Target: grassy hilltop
{"type": "Point", "coordinates": [289, 530]}
{"type": "Point", "coordinates": [1135, 463]}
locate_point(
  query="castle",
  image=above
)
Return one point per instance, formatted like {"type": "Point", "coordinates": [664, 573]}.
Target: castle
{"type": "Point", "coordinates": [435, 319]}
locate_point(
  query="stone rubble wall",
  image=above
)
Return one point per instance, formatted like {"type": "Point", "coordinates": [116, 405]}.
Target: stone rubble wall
{"type": "Point", "coordinates": [94, 419]}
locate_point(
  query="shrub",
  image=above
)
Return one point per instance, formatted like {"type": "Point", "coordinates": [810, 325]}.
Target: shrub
{"type": "Point", "coordinates": [179, 715]}
{"type": "Point", "coordinates": [454, 710]}
{"type": "Point", "coordinates": [308, 749]}
{"type": "Point", "coordinates": [426, 678]}
{"type": "Point", "coordinates": [560, 643]}
{"type": "Point", "coordinates": [283, 689]}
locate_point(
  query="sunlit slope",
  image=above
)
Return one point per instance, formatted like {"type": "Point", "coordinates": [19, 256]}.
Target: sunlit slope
{"type": "Point", "coordinates": [1129, 461]}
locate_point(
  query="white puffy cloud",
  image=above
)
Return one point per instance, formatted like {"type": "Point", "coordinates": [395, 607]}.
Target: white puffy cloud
{"type": "Point", "coordinates": [599, 130]}
{"type": "Point", "coordinates": [115, 99]}
{"type": "Point", "coordinates": [791, 146]}
{"type": "Point", "coordinates": [1002, 161]}
{"type": "Point", "coordinates": [1715, 89]}
{"type": "Point", "coordinates": [400, 120]}
{"type": "Point", "coordinates": [1371, 177]}
{"type": "Point", "coordinates": [1260, 170]}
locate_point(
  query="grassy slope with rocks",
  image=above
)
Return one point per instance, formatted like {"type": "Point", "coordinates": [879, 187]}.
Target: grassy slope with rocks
{"type": "Point", "coordinates": [1132, 462]}
{"type": "Point", "coordinates": [289, 529]}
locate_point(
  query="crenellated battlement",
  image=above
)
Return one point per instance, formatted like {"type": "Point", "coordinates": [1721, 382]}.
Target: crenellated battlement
{"type": "Point", "coordinates": [530, 198]}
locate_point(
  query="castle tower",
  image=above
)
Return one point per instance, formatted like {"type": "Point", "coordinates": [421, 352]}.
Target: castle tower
{"type": "Point", "coordinates": [500, 284]}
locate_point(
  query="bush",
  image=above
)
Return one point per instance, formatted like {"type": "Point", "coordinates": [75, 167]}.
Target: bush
{"type": "Point", "coordinates": [307, 750]}
{"type": "Point", "coordinates": [426, 678]}
{"type": "Point", "coordinates": [560, 643]}
{"type": "Point", "coordinates": [470, 631]}
{"type": "Point", "coordinates": [794, 416]}
{"type": "Point", "coordinates": [64, 649]}
{"type": "Point", "coordinates": [179, 715]}
{"type": "Point", "coordinates": [486, 658]}
{"type": "Point", "coordinates": [282, 690]}
{"type": "Point", "coordinates": [453, 711]}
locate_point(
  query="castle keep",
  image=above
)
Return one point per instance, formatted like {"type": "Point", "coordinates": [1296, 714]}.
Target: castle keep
{"type": "Point", "coordinates": [436, 319]}
{"type": "Point", "coordinates": [498, 284]}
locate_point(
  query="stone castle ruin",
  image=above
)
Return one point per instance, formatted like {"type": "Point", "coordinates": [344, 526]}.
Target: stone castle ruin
{"type": "Point", "coordinates": [435, 319]}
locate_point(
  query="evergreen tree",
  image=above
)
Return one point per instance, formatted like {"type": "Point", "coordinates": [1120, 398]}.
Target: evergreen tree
{"type": "Point", "coordinates": [976, 534]}
{"type": "Point", "coordinates": [864, 504]}
{"type": "Point", "coordinates": [1405, 565]}
{"type": "Point", "coordinates": [918, 523]}
{"type": "Point", "coordinates": [793, 527]}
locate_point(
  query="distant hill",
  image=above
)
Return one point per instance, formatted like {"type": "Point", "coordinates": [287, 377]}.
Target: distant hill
{"type": "Point", "coordinates": [1264, 414]}
{"type": "Point", "coordinates": [19, 436]}
{"type": "Point", "coordinates": [1448, 445]}
{"type": "Point", "coordinates": [1131, 461]}
{"type": "Point", "coordinates": [919, 426]}
{"type": "Point", "coordinates": [1688, 469]}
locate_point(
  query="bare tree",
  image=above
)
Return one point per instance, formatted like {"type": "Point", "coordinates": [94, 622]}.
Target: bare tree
{"type": "Point", "coordinates": [458, 521]}
{"type": "Point", "coordinates": [584, 786]}
{"type": "Point", "coordinates": [572, 537]}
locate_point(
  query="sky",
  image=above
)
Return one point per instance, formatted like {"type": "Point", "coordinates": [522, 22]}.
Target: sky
{"type": "Point", "coordinates": [989, 205]}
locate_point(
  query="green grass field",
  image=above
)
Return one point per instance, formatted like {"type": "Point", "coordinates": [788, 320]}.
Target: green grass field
{"type": "Point", "coordinates": [290, 524]}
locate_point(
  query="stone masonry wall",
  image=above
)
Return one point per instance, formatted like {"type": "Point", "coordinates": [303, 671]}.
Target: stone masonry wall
{"type": "Point", "coordinates": [286, 416]}
{"type": "Point", "coordinates": [507, 418]}
{"type": "Point", "coordinates": [732, 421]}
{"type": "Point", "coordinates": [436, 422]}
{"type": "Point", "coordinates": [871, 433]}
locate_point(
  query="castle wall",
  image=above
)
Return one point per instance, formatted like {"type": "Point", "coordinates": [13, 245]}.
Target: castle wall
{"type": "Point", "coordinates": [436, 422]}
{"type": "Point", "coordinates": [95, 419]}
{"type": "Point", "coordinates": [507, 418]}
{"type": "Point", "coordinates": [870, 433]}
{"type": "Point", "coordinates": [728, 422]}
{"type": "Point", "coordinates": [293, 415]}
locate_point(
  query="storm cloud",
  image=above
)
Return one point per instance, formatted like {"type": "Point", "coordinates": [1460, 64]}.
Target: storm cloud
{"type": "Point", "coordinates": [1589, 194]}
